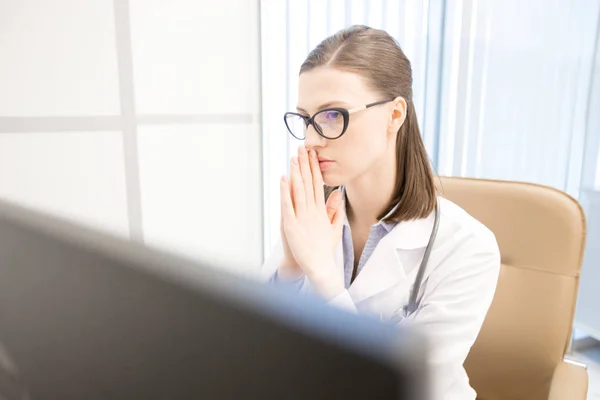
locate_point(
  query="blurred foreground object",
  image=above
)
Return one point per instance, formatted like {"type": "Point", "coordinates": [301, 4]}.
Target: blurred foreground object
{"type": "Point", "coordinates": [520, 351]}
{"type": "Point", "coordinates": [87, 316]}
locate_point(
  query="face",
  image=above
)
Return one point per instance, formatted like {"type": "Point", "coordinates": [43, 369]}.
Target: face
{"type": "Point", "coordinates": [371, 134]}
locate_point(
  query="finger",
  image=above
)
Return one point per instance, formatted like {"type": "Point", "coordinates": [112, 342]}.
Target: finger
{"type": "Point", "coordinates": [297, 187]}
{"type": "Point", "coordinates": [317, 179]}
{"type": "Point", "coordinates": [291, 190]}
{"type": "Point", "coordinates": [281, 203]}
{"type": "Point", "coordinates": [306, 174]}
{"type": "Point", "coordinates": [333, 204]}
{"type": "Point", "coordinates": [287, 208]}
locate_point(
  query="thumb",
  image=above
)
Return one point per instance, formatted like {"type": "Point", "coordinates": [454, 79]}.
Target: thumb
{"type": "Point", "coordinates": [333, 204]}
{"type": "Point", "coordinates": [340, 215]}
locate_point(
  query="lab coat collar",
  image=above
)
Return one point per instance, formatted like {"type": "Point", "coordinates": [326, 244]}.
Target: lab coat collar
{"type": "Point", "coordinates": [384, 267]}
{"type": "Point", "coordinates": [413, 234]}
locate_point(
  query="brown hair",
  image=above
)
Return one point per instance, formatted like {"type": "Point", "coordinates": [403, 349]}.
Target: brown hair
{"type": "Point", "coordinates": [376, 56]}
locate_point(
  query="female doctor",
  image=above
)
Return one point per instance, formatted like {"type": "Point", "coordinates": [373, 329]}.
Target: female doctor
{"type": "Point", "coordinates": [361, 222]}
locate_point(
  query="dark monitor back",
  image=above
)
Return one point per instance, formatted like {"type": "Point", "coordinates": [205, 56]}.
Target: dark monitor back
{"type": "Point", "coordinates": [85, 316]}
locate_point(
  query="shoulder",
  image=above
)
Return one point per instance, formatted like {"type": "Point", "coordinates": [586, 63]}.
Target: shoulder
{"type": "Point", "coordinates": [459, 226]}
{"type": "Point", "coordinates": [464, 246]}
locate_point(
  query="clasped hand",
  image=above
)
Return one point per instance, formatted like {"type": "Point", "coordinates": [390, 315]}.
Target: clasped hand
{"type": "Point", "coordinates": [312, 229]}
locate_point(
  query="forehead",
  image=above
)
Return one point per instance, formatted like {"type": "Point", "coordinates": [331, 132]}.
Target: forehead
{"type": "Point", "coordinates": [324, 84]}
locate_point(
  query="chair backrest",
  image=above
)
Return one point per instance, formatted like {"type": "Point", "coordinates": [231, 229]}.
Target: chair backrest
{"type": "Point", "coordinates": [541, 235]}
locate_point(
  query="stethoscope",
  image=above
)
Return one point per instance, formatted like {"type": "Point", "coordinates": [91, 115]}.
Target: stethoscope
{"type": "Point", "coordinates": [412, 302]}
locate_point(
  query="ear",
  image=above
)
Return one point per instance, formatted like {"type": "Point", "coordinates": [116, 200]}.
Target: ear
{"type": "Point", "coordinates": [398, 114]}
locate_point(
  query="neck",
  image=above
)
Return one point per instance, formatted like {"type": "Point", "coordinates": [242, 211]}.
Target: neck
{"type": "Point", "coordinates": [369, 194]}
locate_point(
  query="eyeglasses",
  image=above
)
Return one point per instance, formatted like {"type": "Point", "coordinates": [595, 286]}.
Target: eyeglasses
{"type": "Point", "coordinates": [331, 123]}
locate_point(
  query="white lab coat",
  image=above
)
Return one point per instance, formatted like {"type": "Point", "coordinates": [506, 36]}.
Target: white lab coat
{"type": "Point", "coordinates": [454, 297]}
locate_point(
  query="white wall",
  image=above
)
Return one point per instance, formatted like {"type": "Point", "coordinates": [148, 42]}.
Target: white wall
{"type": "Point", "coordinates": [587, 317]}
{"type": "Point", "coordinates": [137, 117]}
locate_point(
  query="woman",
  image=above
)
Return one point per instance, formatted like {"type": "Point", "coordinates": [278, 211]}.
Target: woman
{"type": "Point", "coordinates": [360, 205]}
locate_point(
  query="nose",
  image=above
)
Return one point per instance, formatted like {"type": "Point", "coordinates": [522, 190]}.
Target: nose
{"type": "Point", "coordinates": [313, 139]}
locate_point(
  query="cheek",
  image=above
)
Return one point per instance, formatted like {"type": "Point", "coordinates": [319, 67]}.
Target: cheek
{"type": "Point", "coordinates": [364, 143]}
{"type": "Point", "coordinates": [354, 152]}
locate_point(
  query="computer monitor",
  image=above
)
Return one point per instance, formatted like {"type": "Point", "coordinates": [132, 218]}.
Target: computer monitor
{"type": "Point", "coordinates": [87, 316]}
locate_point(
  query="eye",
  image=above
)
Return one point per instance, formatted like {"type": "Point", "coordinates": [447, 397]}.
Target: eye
{"type": "Point", "coordinates": [332, 115]}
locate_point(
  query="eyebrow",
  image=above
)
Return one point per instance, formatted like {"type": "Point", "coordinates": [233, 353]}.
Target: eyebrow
{"type": "Point", "coordinates": [323, 106]}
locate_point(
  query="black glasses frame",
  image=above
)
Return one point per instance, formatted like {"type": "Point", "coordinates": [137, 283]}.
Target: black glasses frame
{"type": "Point", "coordinates": [344, 111]}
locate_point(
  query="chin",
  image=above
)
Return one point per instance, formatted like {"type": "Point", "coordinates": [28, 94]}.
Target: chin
{"type": "Point", "coordinates": [332, 180]}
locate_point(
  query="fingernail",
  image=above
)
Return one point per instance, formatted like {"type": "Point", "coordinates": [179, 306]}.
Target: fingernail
{"type": "Point", "coordinates": [295, 160]}
{"type": "Point", "coordinates": [313, 154]}
{"type": "Point", "coordinates": [302, 150]}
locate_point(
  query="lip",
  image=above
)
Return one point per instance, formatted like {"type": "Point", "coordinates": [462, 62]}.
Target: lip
{"type": "Point", "coordinates": [324, 163]}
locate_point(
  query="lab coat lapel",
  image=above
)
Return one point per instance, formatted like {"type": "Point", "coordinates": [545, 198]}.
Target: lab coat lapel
{"type": "Point", "coordinates": [384, 268]}
{"type": "Point", "coordinates": [381, 271]}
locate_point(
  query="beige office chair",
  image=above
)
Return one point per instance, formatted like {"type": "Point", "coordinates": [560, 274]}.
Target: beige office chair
{"type": "Point", "coordinates": [520, 351]}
